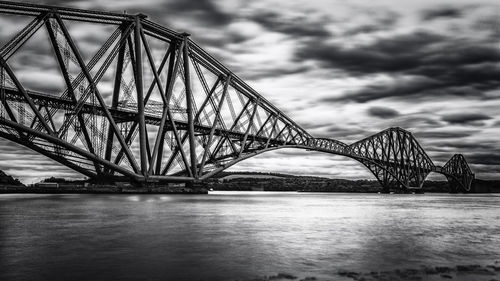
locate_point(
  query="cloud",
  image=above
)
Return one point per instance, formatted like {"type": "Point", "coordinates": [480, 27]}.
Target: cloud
{"type": "Point", "coordinates": [488, 23]}
{"type": "Point", "coordinates": [300, 26]}
{"type": "Point", "coordinates": [464, 118]}
{"type": "Point", "coordinates": [29, 166]}
{"type": "Point", "coordinates": [415, 122]}
{"type": "Point", "coordinates": [441, 134]}
{"type": "Point", "coordinates": [442, 12]}
{"type": "Point", "coordinates": [382, 112]}
{"type": "Point", "coordinates": [383, 20]}
{"type": "Point", "coordinates": [483, 158]}
{"type": "Point", "coordinates": [344, 133]}
{"type": "Point", "coordinates": [419, 64]}
{"type": "Point", "coordinates": [396, 54]}
{"type": "Point", "coordinates": [204, 11]}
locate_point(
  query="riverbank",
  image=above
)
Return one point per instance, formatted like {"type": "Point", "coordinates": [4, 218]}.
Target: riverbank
{"type": "Point", "coordinates": [429, 273]}
{"type": "Point", "coordinates": [318, 184]}
{"type": "Point", "coordinates": [228, 182]}
{"type": "Point", "coordinates": [73, 188]}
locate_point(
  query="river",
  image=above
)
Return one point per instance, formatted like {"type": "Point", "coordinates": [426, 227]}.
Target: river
{"type": "Point", "coordinates": [242, 235]}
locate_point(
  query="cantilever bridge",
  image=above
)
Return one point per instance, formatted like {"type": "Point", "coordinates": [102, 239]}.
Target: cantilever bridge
{"type": "Point", "coordinates": [152, 106]}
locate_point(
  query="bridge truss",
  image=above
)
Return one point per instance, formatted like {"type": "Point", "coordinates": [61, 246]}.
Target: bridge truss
{"type": "Point", "coordinates": [151, 106]}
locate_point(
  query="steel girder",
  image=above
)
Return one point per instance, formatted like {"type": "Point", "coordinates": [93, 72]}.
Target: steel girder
{"type": "Point", "coordinates": [458, 173]}
{"type": "Point", "coordinates": [172, 111]}
{"type": "Point", "coordinates": [395, 158]}
{"type": "Point", "coordinates": [151, 105]}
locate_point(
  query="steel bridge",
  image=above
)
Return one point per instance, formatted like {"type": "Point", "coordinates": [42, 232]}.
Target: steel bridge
{"type": "Point", "coordinates": [151, 106]}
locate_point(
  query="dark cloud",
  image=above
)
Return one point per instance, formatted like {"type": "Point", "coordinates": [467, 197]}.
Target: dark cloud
{"type": "Point", "coordinates": [490, 24]}
{"type": "Point", "coordinates": [416, 121]}
{"type": "Point", "coordinates": [204, 11]}
{"type": "Point", "coordinates": [385, 20]}
{"type": "Point", "coordinates": [486, 171]}
{"type": "Point", "coordinates": [464, 118]}
{"type": "Point", "coordinates": [466, 146]}
{"type": "Point", "coordinates": [400, 53]}
{"type": "Point", "coordinates": [483, 158]}
{"type": "Point", "coordinates": [312, 126]}
{"type": "Point", "coordinates": [382, 112]}
{"type": "Point", "coordinates": [396, 89]}
{"type": "Point", "coordinates": [362, 29]}
{"type": "Point", "coordinates": [269, 71]}
{"type": "Point", "coordinates": [441, 135]}
{"type": "Point", "coordinates": [421, 64]}
{"type": "Point", "coordinates": [344, 133]}
{"type": "Point", "coordinates": [442, 12]}
{"type": "Point", "coordinates": [300, 26]}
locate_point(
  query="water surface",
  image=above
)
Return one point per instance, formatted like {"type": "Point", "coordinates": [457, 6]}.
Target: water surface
{"type": "Point", "coordinates": [240, 235]}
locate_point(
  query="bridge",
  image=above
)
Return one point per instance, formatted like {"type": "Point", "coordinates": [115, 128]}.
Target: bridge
{"type": "Point", "coordinates": [151, 106]}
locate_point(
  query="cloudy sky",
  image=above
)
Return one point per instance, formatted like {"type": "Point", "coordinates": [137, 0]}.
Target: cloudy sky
{"type": "Point", "coordinates": [343, 70]}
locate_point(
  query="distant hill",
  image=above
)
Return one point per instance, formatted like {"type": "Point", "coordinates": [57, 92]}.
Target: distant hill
{"type": "Point", "coordinates": [487, 186]}
{"type": "Point", "coordinates": [285, 182]}
{"type": "Point", "coordinates": [232, 175]}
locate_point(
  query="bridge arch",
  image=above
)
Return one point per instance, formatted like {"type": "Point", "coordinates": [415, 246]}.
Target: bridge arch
{"type": "Point", "coordinates": [394, 157]}
{"type": "Point", "coordinates": [375, 168]}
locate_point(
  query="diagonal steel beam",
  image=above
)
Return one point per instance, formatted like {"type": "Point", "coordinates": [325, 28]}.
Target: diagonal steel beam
{"type": "Point", "coordinates": [165, 104]}
{"type": "Point", "coordinates": [250, 124]}
{"type": "Point", "coordinates": [28, 99]}
{"type": "Point", "coordinates": [86, 72]}
{"type": "Point", "coordinates": [179, 142]}
{"type": "Point", "coordinates": [68, 82]}
{"type": "Point", "coordinates": [114, 100]}
{"type": "Point", "coordinates": [146, 98]}
{"type": "Point", "coordinates": [214, 125]}
{"type": "Point", "coordinates": [75, 149]}
{"type": "Point", "coordinates": [23, 36]}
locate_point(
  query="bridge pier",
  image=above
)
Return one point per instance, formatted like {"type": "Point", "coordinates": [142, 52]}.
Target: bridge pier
{"type": "Point", "coordinates": [189, 187]}
{"type": "Point", "coordinates": [197, 187]}
{"type": "Point", "coordinates": [120, 184]}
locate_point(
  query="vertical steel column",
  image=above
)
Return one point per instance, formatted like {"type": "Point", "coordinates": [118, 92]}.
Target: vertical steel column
{"type": "Point", "coordinates": [189, 106]}
{"type": "Point", "coordinates": [140, 95]}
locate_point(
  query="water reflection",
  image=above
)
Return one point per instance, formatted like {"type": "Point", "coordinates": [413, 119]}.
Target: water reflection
{"type": "Point", "coordinates": [228, 236]}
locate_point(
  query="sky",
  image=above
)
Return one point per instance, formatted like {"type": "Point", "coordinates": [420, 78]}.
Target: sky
{"type": "Point", "coordinates": [342, 70]}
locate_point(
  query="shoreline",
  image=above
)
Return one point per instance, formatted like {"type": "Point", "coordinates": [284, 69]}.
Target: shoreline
{"type": "Point", "coordinates": [187, 191]}
{"type": "Point", "coordinates": [486, 272]}
{"type": "Point", "coordinates": [102, 190]}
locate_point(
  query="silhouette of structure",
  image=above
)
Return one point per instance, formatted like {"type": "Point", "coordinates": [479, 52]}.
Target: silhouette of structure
{"type": "Point", "coordinates": [151, 106]}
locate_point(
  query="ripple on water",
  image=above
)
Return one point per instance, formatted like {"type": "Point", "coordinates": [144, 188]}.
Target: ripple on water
{"type": "Point", "coordinates": [228, 236]}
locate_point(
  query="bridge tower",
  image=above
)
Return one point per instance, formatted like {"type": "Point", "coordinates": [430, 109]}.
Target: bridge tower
{"type": "Point", "coordinates": [395, 158]}
{"type": "Point", "coordinates": [459, 174]}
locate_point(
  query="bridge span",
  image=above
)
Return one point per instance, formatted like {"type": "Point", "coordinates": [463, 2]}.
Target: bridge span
{"type": "Point", "coordinates": [151, 106]}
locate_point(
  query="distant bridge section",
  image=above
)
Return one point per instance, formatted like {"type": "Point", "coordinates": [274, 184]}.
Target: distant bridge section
{"type": "Point", "coordinates": [149, 105]}
{"type": "Point", "coordinates": [398, 161]}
